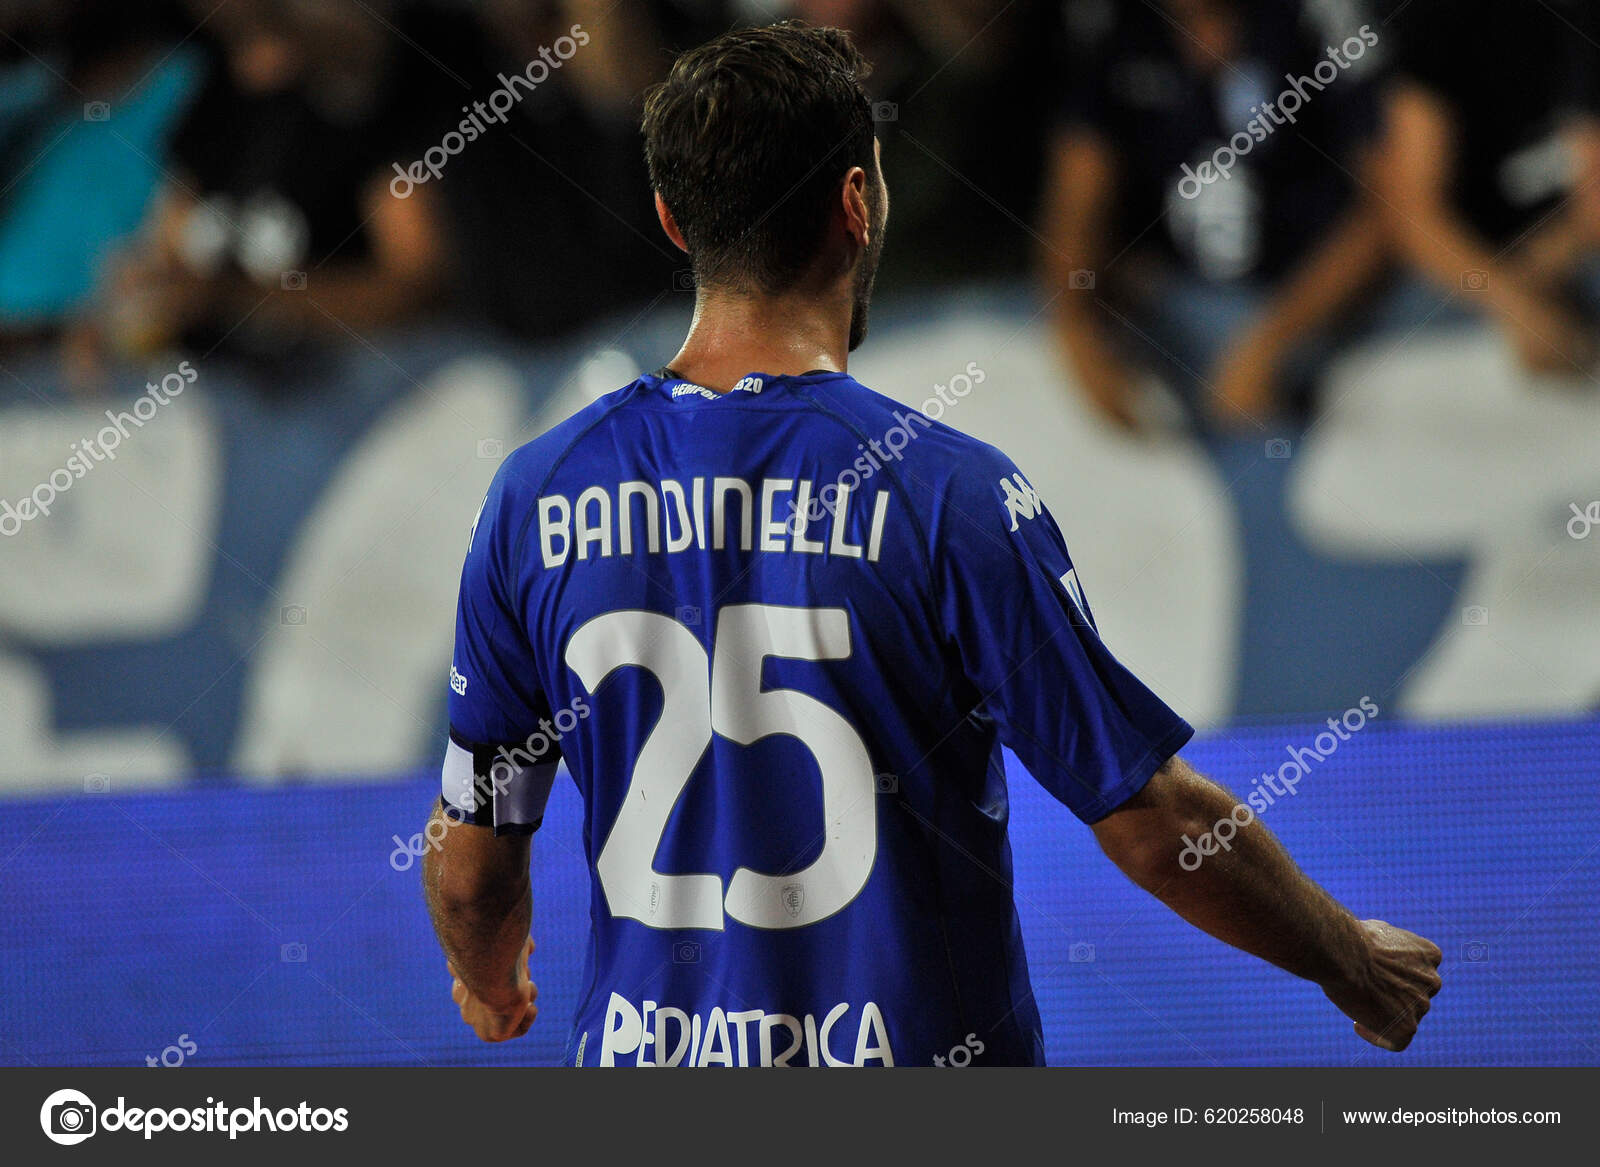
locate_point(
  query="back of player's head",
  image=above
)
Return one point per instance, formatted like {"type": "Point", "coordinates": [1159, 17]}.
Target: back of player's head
{"type": "Point", "coordinates": [748, 140]}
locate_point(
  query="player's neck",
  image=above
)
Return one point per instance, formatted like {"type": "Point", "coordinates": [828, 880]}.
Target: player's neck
{"type": "Point", "coordinates": [733, 335]}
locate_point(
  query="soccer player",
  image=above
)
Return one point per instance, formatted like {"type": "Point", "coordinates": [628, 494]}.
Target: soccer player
{"type": "Point", "coordinates": [778, 629]}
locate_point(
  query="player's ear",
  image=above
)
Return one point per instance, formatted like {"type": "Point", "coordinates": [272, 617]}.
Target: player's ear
{"type": "Point", "coordinates": [857, 216]}
{"type": "Point", "coordinates": [669, 224]}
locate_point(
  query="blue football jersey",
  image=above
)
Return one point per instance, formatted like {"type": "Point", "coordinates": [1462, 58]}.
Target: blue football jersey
{"type": "Point", "coordinates": [778, 636]}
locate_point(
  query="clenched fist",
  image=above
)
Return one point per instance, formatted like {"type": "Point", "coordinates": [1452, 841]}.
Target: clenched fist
{"type": "Point", "coordinates": [501, 1019]}
{"type": "Point", "coordinates": [1395, 987]}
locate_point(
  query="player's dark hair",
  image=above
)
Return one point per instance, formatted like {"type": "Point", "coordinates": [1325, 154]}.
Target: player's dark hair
{"type": "Point", "coordinates": [748, 140]}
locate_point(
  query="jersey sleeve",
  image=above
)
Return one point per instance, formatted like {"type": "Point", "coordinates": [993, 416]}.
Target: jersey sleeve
{"type": "Point", "coordinates": [502, 755]}
{"type": "Point", "coordinates": [1087, 729]}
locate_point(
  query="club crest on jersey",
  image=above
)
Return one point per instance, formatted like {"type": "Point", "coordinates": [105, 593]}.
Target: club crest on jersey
{"type": "Point", "coordinates": [1022, 501]}
{"type": "Point", "coordinates": [794, 898]}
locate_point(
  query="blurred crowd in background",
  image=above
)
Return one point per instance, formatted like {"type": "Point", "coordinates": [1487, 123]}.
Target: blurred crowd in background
{"type": "Point", "coordinates": [1212, 195]}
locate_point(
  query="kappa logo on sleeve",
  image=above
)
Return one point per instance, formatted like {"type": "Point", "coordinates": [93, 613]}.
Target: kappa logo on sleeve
{"type": "Point", "coordinates": [1022, 501]}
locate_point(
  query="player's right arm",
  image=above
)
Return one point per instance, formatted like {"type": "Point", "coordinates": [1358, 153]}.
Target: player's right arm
{"type": "Point", "coordinates": [1253, 897]}
{"type": "Point", "coordinates": [499, 765]}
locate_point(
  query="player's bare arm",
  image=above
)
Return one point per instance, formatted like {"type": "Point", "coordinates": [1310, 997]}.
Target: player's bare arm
{"type": "Point", "coordinates": [481, 903]}
{"type": "Point", "coordinates": [1255, 898]}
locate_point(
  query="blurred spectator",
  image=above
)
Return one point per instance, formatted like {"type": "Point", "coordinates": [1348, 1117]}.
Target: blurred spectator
{"type": "Point", "coordinates": [90, 92]}
{"type": "Point", "coordinates": [683, 24]}
{"type": "Point", "coordinates": [561, 187]}
{"type": "Point", "coordinates": [549, 212]}
{"type": "Point", "coordinates": [962, 104]}
{"type": "Point", "coordinates": [1491, 168]}
{"type": "Point", "coordinates": [1204, 217]}
{"type": "Point", "coordinates": [276, 225]}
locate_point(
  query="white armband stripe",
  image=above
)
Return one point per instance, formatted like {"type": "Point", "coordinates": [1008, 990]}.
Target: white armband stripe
{"type": "Point", "coordinates": [457, 780]}
{"type": "Point", "coordinates": [516, 794]}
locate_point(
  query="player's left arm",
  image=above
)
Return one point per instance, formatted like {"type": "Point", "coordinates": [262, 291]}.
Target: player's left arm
{"type": "Point", "coordinates": [1253, 896]}
{"type": "Point", "coordinates": [478, 894]}
{"type": "Point", "coordinates": [1100, 741]}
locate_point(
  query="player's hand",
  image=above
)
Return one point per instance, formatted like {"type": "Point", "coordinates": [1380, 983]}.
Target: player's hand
{"type": "Point", "coordinates": [501, 1019]}
{"type": "Point", "coordinates": [1394, 989]}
